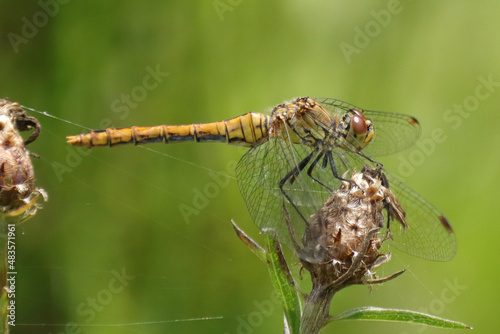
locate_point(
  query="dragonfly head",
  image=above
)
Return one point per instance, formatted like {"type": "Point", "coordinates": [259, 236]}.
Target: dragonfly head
{"type": "Point", "coordinates": [359, 130]}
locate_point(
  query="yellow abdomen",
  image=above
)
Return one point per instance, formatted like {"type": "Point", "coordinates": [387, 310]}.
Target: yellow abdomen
{"type": "Point", "coordinates": [245, 130]}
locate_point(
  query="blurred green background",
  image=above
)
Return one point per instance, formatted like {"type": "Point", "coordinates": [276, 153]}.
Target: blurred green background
{"type": "Point", "coordinates": [119, 212]}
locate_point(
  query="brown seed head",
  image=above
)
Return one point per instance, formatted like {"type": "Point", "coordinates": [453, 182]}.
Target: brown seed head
{"type": "Point", "coordinates": [17, 189]}
{"type": "Point", "coordinates": [341, 243]}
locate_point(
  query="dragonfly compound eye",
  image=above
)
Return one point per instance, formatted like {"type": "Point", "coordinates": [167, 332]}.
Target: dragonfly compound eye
{"type": "Point", "coordinates": [358, 123]}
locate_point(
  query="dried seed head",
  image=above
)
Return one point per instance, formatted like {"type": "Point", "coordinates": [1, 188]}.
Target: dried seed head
{"type": "Point", "coordinates": [342, 241]}
{"type": "Point", "coordinates": [17, 189]}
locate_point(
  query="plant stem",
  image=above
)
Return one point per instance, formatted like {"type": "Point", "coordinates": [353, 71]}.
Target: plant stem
{"type": "Point", "coordinates": [316, 310]}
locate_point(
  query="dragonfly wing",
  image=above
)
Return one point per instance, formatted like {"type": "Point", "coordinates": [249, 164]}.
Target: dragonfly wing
{"type": "Point", "coordinates": [429, 235]}
{"type": "Point", "coordinates": [259, 174]}
{"type": "Point", "coordinates": [393, 132]}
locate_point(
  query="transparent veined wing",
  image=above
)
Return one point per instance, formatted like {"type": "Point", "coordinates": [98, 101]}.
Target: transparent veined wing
{"type": "Point", "coordinates": [429, 234]}
{"type": "Point", "coordinates": [259, 173]}
{"type": "Point", "coordinates": [393, 132]}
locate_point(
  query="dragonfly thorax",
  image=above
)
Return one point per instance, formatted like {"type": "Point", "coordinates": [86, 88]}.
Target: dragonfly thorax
{"type": "Point", "coordinates": [307, 122]}
{"type": "Point", "coordinates": [303, 122]}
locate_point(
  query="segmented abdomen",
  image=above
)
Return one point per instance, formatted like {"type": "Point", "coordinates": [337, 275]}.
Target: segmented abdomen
{"type": "Point", "coordinates": [245, 130]}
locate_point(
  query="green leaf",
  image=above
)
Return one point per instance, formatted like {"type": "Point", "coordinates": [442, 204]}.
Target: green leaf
{"type": "Point", "coordinates": [283, 283]}
{"type": "Point", "coordinates": [280, 275]}
{"type": "Point", "coordinates": [382, 314]}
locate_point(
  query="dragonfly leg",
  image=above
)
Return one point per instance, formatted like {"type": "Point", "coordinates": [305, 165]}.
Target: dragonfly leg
{"type": "Point", "coordinates": [379, 164]}
{"type": "Point", "coordinates": [388, 233]}
{"type": "Point", "coordinates": [334, 168]}
{"type": "Point", "coordinates": [310, 169]}
{"type": "Point", "coordinates": [290, 177]}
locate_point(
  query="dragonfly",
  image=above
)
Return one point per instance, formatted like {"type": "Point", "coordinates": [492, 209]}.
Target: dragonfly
{"type": "Point", "coordinates": [299, 153]}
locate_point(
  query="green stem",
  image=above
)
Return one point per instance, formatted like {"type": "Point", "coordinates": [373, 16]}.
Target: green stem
{"type": "Point", "coordinates": [316, 312]}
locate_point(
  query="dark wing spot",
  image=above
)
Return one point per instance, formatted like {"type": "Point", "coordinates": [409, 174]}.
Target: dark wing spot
{"type": "Point", "coordinates": [413, 121]}
{"type": "Point", "coordinates": [446, 223]}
